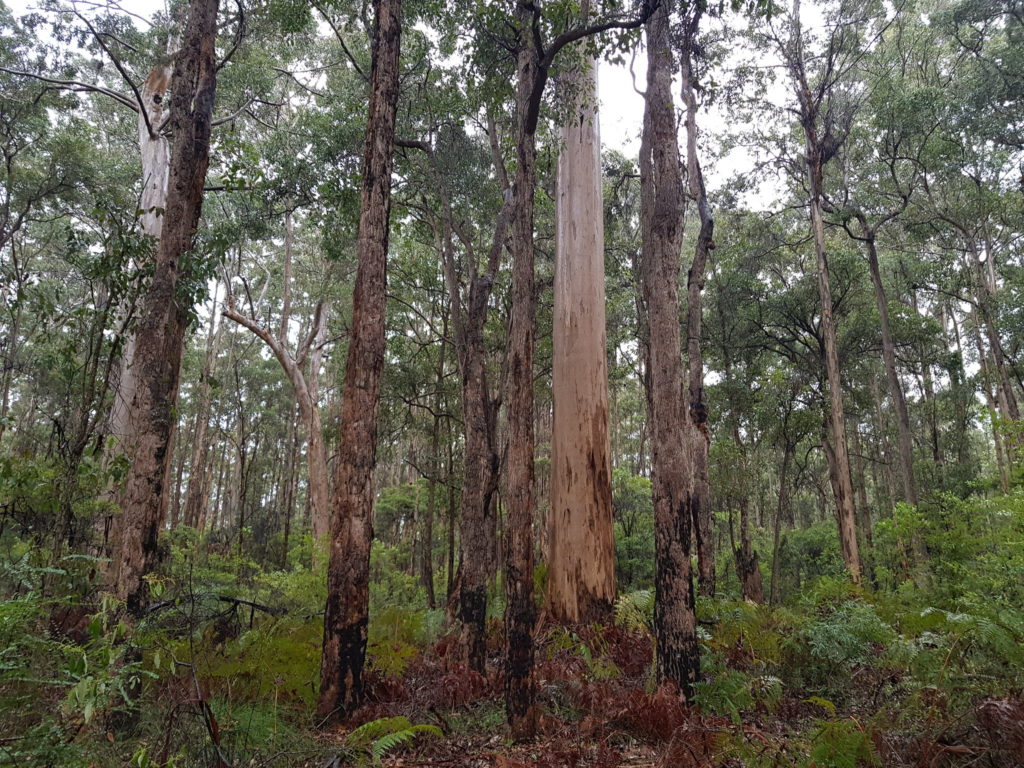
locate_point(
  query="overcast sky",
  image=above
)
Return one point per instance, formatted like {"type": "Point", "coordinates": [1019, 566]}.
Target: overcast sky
{"type": "Point", "coordinates": [621, 107]}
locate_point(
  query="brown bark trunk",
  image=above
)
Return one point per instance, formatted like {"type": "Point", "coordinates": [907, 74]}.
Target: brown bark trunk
{"type": "Point", "coordinates": [480, 472]}
{"type": "Point", "coordinates": [904, 436]}
{"type": "Point", "coordinates": [451, 585]}
{"type": "Point", "coordinates": [427, 541]}
{"type": "Point", "coordinates": [662, 198]}
{"type": "Point", "coordinates": [864, 510]}
{"type": "Point", "coordinates": [747, 568]}
{"type": "Point", "coordinates": [162, 322]}
{"type": "Point", "coordinates": [581, 556]}
{"type": "Point", "coordinates": [520, 610]}
{"type": "Point", "coordinates": [699, 437]}
{"type": "Point", "coordinates": [346, 616]}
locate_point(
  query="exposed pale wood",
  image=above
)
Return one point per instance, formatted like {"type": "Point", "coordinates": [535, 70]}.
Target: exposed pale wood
{"type": "Point", "coordinates": [162, 321]}
{"type": "Point", "coordinates": [581, 556]}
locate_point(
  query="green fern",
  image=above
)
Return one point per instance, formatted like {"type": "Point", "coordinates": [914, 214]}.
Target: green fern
{"type": "Point", "coordinates": [386, 743]}
{"type": "Point", "coordinates": [367, 733]}
{"type": "Point", "coordinates": [843, 744]}
{"type": "Point", "coordinates": [378, 737]}
{"type": "Point", "coordinates": [635, 611]}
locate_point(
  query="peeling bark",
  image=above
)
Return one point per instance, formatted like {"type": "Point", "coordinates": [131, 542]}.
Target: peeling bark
{"type": "Point", "coordinates": [162, 322]}
{"type": "Point", "coordinates": [581, 555]}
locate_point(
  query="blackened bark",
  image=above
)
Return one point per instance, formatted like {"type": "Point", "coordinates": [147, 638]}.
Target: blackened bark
{"type": "Point", "coordinates": [163, 317]}
{"type": "Point", "coordinates": [520, 611]}
{"type": "Point", "coordinates": [662, 198]}
{"type": "Point", "coordinates": [348, 573]}
{"type": "Point", "coordinates": [747, 566]}
{"type": "Point", "coordinates": [480, 472]}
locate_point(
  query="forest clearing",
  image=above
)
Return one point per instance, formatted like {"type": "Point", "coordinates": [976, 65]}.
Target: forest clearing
{"type": "Point", "coordinates": [360, 406]}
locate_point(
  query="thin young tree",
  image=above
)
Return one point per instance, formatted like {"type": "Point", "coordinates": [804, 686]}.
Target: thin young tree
{"type": "Point", "coordinates": [697, 410]}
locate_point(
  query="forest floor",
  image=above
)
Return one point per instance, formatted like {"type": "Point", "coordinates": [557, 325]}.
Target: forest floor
{"type": "Point", "coordinates": [598, 711]}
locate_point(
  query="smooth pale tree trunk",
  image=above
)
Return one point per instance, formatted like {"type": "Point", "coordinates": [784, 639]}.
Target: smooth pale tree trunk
{"type": "Point", "coordinates": [155, 156]}
{"type": "Point", "coordinates": [520, 608]}
{"type": "Point", "coordinates": [903, 433]}
{"type": "Point", "coordinates": [697, 411]}
{"type": "Point", "coordinates": [305, 383]}
{"type": "Point", "coordinates": [155, 153]}
{"type": "Point", "coordinates": [198, 489]}
{"type": "Point", "coordinates": [928, 388]}
{"type": "Point", "coordinates": [834, 443]}
{"type": "Point", "coordinates": [781, 511]}
{"type": "Point", "coordinates": [348, 571]}
{"type": "Point", "coordinates": [662, 205]}
{"type": "Point", "coordinates": [160, 334]}
{"type": "Point", "coordinates": [581, 555]}
{"type": "Point", "coordinates": [1003, 463]}
{"type": "Point", "coordinates": [987, 287]}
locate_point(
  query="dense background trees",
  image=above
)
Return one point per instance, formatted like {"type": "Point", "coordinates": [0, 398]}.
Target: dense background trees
{"type": "Point", "coordinates": [801, 468]}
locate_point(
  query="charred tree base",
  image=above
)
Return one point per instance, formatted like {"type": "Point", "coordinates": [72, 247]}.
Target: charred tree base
{"type": "Point", "coordinates": [341, 682]}
{"type": "Point", "coordinates": [473, 615]}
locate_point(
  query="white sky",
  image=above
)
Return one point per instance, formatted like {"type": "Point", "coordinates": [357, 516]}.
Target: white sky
{"type": "Point", "coordinates": [621, 106]}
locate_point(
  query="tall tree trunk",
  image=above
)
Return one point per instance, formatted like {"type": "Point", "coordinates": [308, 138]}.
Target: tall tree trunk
{"type": "Point", "coordinates": [581, 557]}
{"type": "Point", "coordinates": [427, 541]}
{"type": "Point", "coordinates": [662, 198]}
{"type": "Point", "coordinates": [747, 567]}
{"type": "Point", "coordinates": [348, 573]}
{"type": "Point", "coordinates": [520, 610]}
{"type": "Point", "coordinates": [864, 510]}
{"type": "Point", "coordinates": [985, 291]}
{"type": "Point", "coordinates": [928, 387]}
{"type": "Point", "coordinates": [480, 472]}
{"type": "Point", "coordinates": [306, 387]}
{"type": "Point", "coordinates": [782, 509]}
{"type": "Point", "coordinates": [197, 492]}
{"type": "Point", "coordinates": [815, 159]}
{"type": "Point", "coordinates": [1003, 463]}
{"type": "Point", "coordinates": [155, 153]}
{"type": "Point", "coordinates": [452, 513]}
{"type": "Point", "coordinates": [289, 483]}
{"type": "Point", "coordinates": [699, 437]}
{"type": "Point", "coordinates": [161, 329]}
{"type": "Point", "coordinates": [904, 436]}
